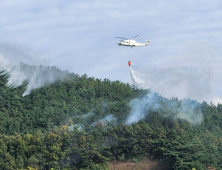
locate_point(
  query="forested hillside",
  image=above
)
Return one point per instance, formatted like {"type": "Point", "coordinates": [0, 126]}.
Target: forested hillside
{"type": "Point", "coordinates": [81, 123]}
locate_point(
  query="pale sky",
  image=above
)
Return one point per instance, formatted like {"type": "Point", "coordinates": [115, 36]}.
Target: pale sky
{"type": "Point", "coordinates": [79, 36]}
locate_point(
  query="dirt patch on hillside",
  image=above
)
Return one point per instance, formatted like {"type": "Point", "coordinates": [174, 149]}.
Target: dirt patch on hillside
{"type": "Point", "coordinates": [145, 164]}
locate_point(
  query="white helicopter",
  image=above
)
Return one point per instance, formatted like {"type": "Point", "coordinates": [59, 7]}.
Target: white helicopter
{"type": "Point", "coordinates": [131, 43]}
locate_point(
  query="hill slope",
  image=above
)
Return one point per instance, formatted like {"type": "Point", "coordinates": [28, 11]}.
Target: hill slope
{"type": "Point", "coordinates": [83, 122]}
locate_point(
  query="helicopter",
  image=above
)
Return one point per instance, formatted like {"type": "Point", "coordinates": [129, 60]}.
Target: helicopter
{"type": "Point", "coordinates": [131, 43]}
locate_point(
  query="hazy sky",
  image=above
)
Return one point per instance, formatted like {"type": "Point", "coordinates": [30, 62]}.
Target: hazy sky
{"type": "Point", "coordinates": [79, 36]}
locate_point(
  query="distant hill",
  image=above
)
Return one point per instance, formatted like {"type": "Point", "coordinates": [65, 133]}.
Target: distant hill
{"type": "Point", "coordinates": [81, 122]}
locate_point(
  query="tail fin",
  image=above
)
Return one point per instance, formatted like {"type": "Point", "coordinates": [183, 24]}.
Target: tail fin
{"type": "Point", "coordinates": [147, 42]}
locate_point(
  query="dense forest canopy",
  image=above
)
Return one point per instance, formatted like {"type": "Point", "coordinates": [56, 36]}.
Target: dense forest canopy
{"type": "Point", "coordinates": [82, 122]}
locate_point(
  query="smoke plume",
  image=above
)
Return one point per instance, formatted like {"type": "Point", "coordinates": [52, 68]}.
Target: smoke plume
{"type": "Point", "coordinates": [108, 118]}
{"type": "Point", "coordinates": [180, 82]}
{"type": "Point", "coordinates": [188, 110]}
{"type": "Point", "coordinates": [34, 76]}
{"type": "Point", "coordinates": [217, 100]}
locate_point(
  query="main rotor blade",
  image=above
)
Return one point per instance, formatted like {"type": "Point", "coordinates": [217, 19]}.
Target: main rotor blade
{"type": "Point", "coordinates": [122, 38]}
{"type": "Point", "coordinates": [134, 36]}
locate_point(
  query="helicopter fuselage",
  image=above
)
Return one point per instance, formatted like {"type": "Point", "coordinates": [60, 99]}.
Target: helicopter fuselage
{"type": "Point", "coordinates": [132, 43]}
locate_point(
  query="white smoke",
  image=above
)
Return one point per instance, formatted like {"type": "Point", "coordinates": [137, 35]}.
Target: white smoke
{"type": "Point", "coordinates": [140, 107]}
{"type": "Point", "coordinates": [172, 80]}
{"type": "Point", "coordinates": [87, 115]}
{"type": "Point", "coordinates": [180, 82]}
{"type": "Point", "coordinates": [104, 122]}
{"type": "Point", "coordinates": [217, 100]}
{"type": "Point", "coordinates": [187, 110]}
{"type": "Point", "coordinates": [4, 64]}
{"type": "Point", "coordinates": [108, 118]}
{"type": "Point", "coordinates": [34, 76]}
